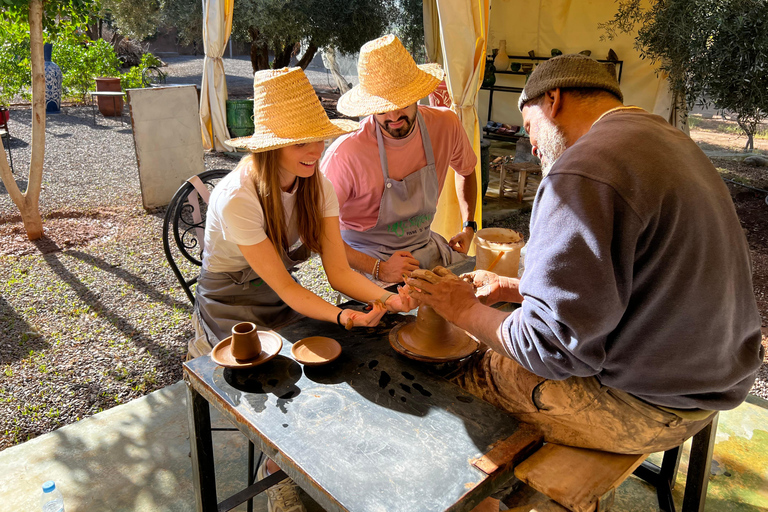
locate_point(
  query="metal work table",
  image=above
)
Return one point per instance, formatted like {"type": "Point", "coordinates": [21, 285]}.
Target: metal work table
{"type": "Point", "coordinates": [371, 431]}
{"type": "Point", "coordinates": [107, 94]}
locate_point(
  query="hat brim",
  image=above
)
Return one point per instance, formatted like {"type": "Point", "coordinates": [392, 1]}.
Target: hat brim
{"type": "Point", "coordinates": [357, 102]}
{"type": "Point", "coordinates": [259, 142]}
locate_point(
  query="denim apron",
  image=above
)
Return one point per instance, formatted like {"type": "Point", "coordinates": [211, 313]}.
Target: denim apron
{"type": "Point", "coordinates": [406, 211]}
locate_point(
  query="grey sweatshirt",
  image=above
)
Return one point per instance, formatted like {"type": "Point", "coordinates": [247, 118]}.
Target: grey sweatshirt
{"type": "Point", "coordinates": [638, 271]}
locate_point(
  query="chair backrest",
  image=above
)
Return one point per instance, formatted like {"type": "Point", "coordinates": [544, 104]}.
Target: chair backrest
{"type": "Point", "coordinates": [184, 226]}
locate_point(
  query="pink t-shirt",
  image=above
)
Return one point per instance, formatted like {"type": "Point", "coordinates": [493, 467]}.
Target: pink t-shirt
{"type": "Point", "coordinates": [352, 162]}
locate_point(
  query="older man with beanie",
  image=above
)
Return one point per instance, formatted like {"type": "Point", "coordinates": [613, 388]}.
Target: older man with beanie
{"type": "Point", "coordinates": [389, 174]}
{"type": "Point", "coordinates": [638, 317]}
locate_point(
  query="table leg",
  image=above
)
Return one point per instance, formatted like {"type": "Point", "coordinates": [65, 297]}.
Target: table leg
{"type": "Point", "coordinates": [93, 109]}
{"type": "Point", "coordinates": [200, 441]}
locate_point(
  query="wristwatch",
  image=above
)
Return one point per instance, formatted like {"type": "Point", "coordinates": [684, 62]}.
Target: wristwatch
{"type": "Point", "coordinates": [470, 224]}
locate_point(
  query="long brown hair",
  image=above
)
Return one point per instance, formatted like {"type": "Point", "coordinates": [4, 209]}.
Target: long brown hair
{"type": "Point", "coordinates": [264, 171]}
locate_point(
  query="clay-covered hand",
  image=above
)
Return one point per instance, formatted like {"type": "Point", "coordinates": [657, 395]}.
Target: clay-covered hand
{"type": "Point", "coordinates": [461, 241]}
{"type": "Point", "coordinates": [449, 296]}
{"type": "Point", "coordinates": [401, 262]}
{"type": "Point", "coordinates": [491, 288]}
{"type": "Point", "coordinates": [351, 318]}
{"type": "Point", "coordinates": [486, 284]}
{"type": "Point", "coordinates": [402, 301]}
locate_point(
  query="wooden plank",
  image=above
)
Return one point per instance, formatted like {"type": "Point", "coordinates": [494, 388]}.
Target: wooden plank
{"type": "Point", "coordinates": [510, 451]}
{"type": "Point", "coordinates": [576, 478]}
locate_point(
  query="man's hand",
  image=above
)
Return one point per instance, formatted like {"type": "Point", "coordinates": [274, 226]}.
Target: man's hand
{"type": "Point", "coordinates": [451, 298]}
{"type": "Point", "coordinates": [462, 241]}
{"type": "Point", "coordinates": [491, 288]}
{"type": "Point", "coordinates": [486, 284]}
{"type": "Point", "coordinates": [401, 262]}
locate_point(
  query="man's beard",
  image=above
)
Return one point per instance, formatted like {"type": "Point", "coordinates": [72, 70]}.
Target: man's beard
{"type": "Point", "coordinates": [550, 144]}
{"type": "Point", "coordinates": [403, 131]}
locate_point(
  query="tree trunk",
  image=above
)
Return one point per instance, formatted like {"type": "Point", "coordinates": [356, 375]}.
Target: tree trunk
{"type": "Point", "coordinates": [308, 56]}
{"type": "Point", "coordinates": [28, 202]}
{"type": "Point", "coordinates": [259, 51]}
{"type": "Point", "coordinates": [283, 55]}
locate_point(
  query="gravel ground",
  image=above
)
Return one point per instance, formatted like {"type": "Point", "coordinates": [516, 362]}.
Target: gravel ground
{"type": "Point", "coordinates": [91, 316]}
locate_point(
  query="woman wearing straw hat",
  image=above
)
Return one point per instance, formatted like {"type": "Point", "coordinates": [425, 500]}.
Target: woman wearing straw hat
{"type": "Point", "coordinates": [274, 198]}
{"type": "Point", "coordinates": [389, 174]}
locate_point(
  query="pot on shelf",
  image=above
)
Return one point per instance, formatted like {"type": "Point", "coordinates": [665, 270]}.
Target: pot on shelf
{"type": "Point", "coordinates": [501, 62]}
{"type": "Point", "coordinates": [108, 106]}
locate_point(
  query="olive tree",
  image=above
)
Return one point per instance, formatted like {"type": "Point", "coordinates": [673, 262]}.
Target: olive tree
{"type": "Point", "coordinates": [714, 51]}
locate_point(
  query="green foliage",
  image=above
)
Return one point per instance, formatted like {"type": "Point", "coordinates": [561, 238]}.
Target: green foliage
{"type": "Point", "coordinates": [134, 78]}
{"type": "Point", "coordinates": [715, 51]}
{"type": "Point", "coordinates": [15, 65]}
{"type": "Point", "coordinates": [82, 61]}
{"type": "Point", "coordinates": [409, 27]}
{"type": "Point", "coordinates": [138, 19]}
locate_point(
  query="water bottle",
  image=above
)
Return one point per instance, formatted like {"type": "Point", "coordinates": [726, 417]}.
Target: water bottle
{"type": "Point", "coordinates": [52, 499]}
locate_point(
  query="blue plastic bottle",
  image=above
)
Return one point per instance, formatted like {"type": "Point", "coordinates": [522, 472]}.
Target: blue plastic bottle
{"type": "Point", "coordinates": [52, 500]}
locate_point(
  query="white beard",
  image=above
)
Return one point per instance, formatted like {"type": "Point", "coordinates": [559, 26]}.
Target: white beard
{"type": "Point", "coordinates": [551, 144]}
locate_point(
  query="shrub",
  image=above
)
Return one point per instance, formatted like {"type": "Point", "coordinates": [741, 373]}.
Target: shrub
{"type": "Point", "coordinates": [82, 61]}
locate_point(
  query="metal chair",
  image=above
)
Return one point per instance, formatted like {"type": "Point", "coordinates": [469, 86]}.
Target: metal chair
{"type": "Point", "coordinates": [5, 135]}
{"type": "Point", "coordinates": [184, 225]}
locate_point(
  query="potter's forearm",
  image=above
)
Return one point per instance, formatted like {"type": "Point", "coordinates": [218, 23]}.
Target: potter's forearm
{"type": "Point", "coordinates": [485, 323]}
{"type": "Point", "coordinates": [510, 290]}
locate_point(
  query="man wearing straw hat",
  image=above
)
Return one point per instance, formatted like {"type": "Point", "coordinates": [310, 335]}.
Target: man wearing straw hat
{"type": "Point", "coordinates": [389, 174]}
{"type": "Point", "coordinates": [638, 316]}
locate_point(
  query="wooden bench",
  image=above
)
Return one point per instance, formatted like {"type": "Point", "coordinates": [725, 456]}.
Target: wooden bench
{"type": "Point", "coordinates": [583, 480]}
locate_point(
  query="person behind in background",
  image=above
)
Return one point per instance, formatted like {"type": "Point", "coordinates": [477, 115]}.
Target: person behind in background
{"type": "Point", "coordinates": [257, 214]}
{"type": "Point", "coordinates": [638, 316]}
{"type": "Point", "coordinates": [388, 175]}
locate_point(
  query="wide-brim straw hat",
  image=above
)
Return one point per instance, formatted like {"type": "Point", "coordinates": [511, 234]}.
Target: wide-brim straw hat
{"type": "Point", "coordinates": [389, 79]}
{"type": "Point", "coordinates": [286, 111]}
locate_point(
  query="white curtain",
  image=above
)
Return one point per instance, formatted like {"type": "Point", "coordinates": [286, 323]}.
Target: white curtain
{"type": "Point", "coordinates": [461, 37]}
{"type": "Point", "coordinates": [217, 25]}
{"type": "Point", "coordinates": [670, 106]}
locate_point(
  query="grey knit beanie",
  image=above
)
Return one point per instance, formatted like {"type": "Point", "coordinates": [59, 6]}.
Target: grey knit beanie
{"type": "Point", "coordinates": [569, 71]}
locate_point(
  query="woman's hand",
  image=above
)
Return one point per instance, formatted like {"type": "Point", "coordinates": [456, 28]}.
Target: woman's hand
{"type": "Point", "coordinates": [351, 318]}
{"type": "Point", "coordinates": [402, 302]}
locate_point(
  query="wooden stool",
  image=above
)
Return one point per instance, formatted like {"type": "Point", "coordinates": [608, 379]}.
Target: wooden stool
{"type": "Point", "coordinates": [520, 180]}
{"type": "Point", "coordinates": [584, 480]}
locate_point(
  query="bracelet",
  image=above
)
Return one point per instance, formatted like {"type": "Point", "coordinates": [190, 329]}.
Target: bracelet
{"type": "Point", "coordinates": [375, 272]}
{"type": "Point", "coordinates": [338, 318]}
{"type": "Point", "coordinates": [384, 298]}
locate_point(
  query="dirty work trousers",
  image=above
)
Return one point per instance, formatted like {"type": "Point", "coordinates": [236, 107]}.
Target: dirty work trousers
{"type": "Point", "coordinates": [577, 411]}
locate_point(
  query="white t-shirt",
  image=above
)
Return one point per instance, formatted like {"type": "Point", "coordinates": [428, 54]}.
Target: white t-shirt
{"type": "Point", "coordinates": [235, 218]}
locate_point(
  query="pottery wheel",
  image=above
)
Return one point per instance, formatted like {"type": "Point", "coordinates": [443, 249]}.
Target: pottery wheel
{"type": "Point", "coordinates": [457, 346]}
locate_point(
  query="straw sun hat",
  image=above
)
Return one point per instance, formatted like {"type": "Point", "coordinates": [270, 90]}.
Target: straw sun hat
{"type": "Point", "coordinates": [389, 79]}
{"type": "Point", "coordinates": [286, 111]}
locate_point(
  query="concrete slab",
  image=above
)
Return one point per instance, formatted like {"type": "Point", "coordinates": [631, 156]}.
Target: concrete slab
{"type": "Point", "coordinates": [135, 457]}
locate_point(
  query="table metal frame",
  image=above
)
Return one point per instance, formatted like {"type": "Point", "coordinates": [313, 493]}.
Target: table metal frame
{"type": "Point", "coordinates": [107, 94]}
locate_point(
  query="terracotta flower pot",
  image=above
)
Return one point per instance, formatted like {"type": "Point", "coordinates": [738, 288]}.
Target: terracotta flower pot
{"type": "Point", "coordinates": [108, 106]}
{"type": "Point", "coordinates": [5, 115]}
